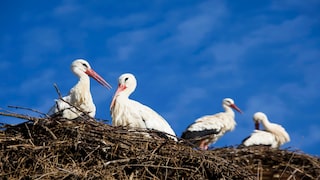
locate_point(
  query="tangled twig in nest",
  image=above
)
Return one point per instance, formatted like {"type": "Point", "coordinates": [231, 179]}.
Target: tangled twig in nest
{"type": "Point", "coordinates": [56, 148]}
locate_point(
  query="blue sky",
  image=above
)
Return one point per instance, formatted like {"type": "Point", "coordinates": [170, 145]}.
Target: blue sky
{"type": "Point", "coordinates": [187, 55]}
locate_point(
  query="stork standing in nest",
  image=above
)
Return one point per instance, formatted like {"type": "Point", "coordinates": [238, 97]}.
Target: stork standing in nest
{"type": "Point", "coordinates": [130, 113]}
{"type": "Point", "coordinates": [274, 135]}
{"type": "Point", "coordinates": [79, 99]}
{"type": "Point", "coordinates": [208, 129]}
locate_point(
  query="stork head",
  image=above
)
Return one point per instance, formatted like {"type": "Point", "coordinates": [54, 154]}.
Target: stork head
{"type": "Point", "coordinates": [127, 84]}
{"type": "Point", "coordinates": [127, 81]}
{"type": "Point", "coordinates": [258, 117]}
{"type": "Point", "coordinates": [81, 68]}
{"type": "Point", "coordinates": [230, 103]}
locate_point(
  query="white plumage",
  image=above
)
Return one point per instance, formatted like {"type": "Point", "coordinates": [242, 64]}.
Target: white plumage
{"type": "Point", "coordinates": [259, 137]}
{"type": "Point", "coordinates": [208, 129]}
{"type": "Point", "coordinates": [79, 99]}
{"type": "Point", "coordinates": [274, 135]}
{"type": "Point", "coordinates": [130, 113]}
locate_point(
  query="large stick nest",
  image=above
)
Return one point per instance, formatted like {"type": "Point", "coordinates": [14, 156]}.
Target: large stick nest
{"type": "Point", "coordinates": [56, 148]}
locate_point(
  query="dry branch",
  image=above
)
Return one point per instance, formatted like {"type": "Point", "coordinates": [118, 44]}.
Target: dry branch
{"type": "Point", "coordinates": [29, 109]}
{"type": "Point", "coordinates": [20, 116]}
{"type": "Point", "coordinates": [76, 111]}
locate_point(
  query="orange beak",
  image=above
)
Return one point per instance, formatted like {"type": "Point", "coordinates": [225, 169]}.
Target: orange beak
{"type": "Point", "coordinates": [121, 87]}
{"type": "Point", "coordinates": [236, 108]}
{"type": "Point", "coordinates": [98, 78]}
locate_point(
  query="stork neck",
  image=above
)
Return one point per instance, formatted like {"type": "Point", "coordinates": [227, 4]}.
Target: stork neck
{"type": "Point", "coordinates": [266, 123]}
{"type": "Point", "coordinates": [117, 102]}
{"type": "Point", "coordinates": [123, 95]}
{"type": "Point", "coordinates": [84, 82]}
{"type": "Point", "coordinates": [126, 92]}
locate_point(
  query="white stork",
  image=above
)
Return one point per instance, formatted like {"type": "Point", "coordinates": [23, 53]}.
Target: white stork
{"type": "Point", "coordinates": [274, 135]}
{"type": "Point", "coordinates": [208, 129]}
{"type": "Point", "coordinates": [129, 113]}
{"type": "Point", "coordinates": [79, 99]}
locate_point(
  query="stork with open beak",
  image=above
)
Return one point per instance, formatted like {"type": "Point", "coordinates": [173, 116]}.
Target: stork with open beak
{"type": "Point", "coordinates": [79, 100]}
{"type": "Point", "coordinates": [130, 113]}
{"type": "Point", "coordinates": [274, 135]}
{"type": "Point", "coordinates": [208, 129]}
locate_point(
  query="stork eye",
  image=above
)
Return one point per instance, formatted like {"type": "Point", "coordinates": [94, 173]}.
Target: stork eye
{"type": "Point", "coordinates": [126, 79]}
{"type": "Point", "coordinates": [228, 102]}
{"type": "Point", "coordinates": [85, 65]}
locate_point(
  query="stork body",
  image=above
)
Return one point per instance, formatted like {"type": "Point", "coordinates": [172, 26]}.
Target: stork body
{"type": "Point", "coordinates": [131, 113]}
{"type": "Point", "coordinates": [79, 100]}
{"type": "Point", "coordinates": [274, 135]}
{"type": "Point", "coordinates": [208, 129]}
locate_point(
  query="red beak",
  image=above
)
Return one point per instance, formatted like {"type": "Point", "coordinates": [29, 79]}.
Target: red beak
{"type": "Point", "coordinates": [121, 87]}
{"type": "Point", "coordinates": [98, 78]}
{"type": "Point", "coordinates": [236, 108]}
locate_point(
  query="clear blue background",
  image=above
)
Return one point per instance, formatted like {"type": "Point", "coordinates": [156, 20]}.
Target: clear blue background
{"type": "Point", "coordinates": [186, 54]}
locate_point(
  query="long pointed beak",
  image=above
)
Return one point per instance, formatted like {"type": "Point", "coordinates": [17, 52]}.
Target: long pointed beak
{"type": "Point", "coordinates": [257, 125]}
{"type": "Point", "coordinates": [98, 78]}
{"type": "Point", "coordinates": [236, 108]}
{"type": "Point", "coordinates": [121, 87]}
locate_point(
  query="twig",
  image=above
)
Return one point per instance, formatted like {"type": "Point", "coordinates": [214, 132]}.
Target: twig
{"type": "Point", "coordinates": [15, 146]}
{"type": "Point", "coordinates": [157, 148]}
{"type": "Point", "coordinates": [157, 166]}
{"type": "Point", "coordinates": [29, 133]}
{"type": "Point", "coordinates": [29, 109]}
{"type": "Point", "coordinates": [70, 172]}
{"type": "Point", "coordinates": [47, 174]}
{"type": "Point", "coordinates": [287, 164]}
{"type": "Point", "coordinates": [52, 134]}
{"type": "Point", "coordinates": [91, 152]}
{"type": "Point", "coordinates": [154, 177]}
{"type": "Point", "coordinates": [57, 90]}
{"type": "Point", "coordinates": [20, 116]}
{"type": "Point", "coordinates": [302, 172]}
{"type": "Point", "coordinates": [7, 111]}
{"type": "Point", "coordinates": [259, 171]}
{"type": "Point", "coordinates": [116, 161]}
{"type": "Point", "coordinates": [291, 176]}
{"type": "Point", "coordinates": [168, 160]}
{"type": "Point", "coordinates": [71, 105]}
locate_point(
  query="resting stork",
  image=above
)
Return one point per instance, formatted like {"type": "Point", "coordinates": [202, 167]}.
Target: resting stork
{"type": "Point", "coordinates": [79, 99]}
{"type": "Point", "coordinates": [274, 135]}
{"type": "Point", "coordinates": [208, 129]}
{"type": "Point", "coordinates": [130, 113]}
